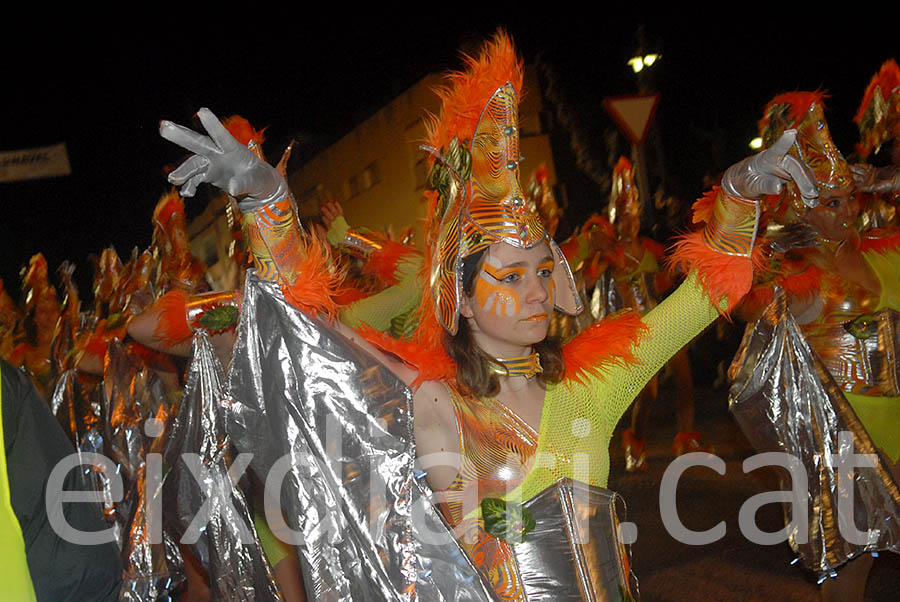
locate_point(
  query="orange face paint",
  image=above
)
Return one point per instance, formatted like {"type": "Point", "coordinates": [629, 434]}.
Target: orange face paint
{"type": "Point", "coordinates": [493, 295]}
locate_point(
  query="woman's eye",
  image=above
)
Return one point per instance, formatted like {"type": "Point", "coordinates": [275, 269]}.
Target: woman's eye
{"type": "Point", "coordinates": [510, 278]}
{"type": "Point", "coordinates": [545, 273]}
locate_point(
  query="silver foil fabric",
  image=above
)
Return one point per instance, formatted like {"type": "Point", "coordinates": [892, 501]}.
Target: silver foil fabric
{"type": "Point", "coordinates": [131, 395]}
{"type": "Point", "coordinates": [197, 450]}
{"type": "Point", "coordinates": [785, 400]}
{"type": "Point", "coordinates": [330, 430]}
{"type": "Point", "coordinates": [574, 553]}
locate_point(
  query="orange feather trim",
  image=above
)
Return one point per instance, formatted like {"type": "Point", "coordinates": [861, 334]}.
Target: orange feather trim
{"type": "Point", "coordinates": [350, 294]}
{"type": "Point", "coordinates": [803, 283]}
{"type": "Point", "coordinates": [319, 283]}
{"type": "Point", "coordinates": [880, 244]}
{"type": "Point", "coordinates": [383, 263]}
{"type": "Point", "coordinates": [242, 131]}
{"type": "Point", "coordinates": [722, 276]}
{"type": "Point", "coordinates": [430, 361]}
{"type": "Point", "coordinates": [703, 207]}
{"type": "Point", "coordinates": [610, 342]}
{"type": "Point", "coordinates": [172, 327]}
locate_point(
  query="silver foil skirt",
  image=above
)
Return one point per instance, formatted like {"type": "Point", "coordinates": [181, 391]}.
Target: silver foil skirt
{"type": "Point", "coordinates": [330, 430]}
{"type": "Point", "coordinates": [785, 400]}
{"type": "Point", "coordinates": [574, 552]}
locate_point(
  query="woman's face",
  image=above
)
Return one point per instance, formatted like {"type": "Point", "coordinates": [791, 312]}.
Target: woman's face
{"type": "Point", "coordinates": [835, 216]}
{"type": "Point", "coordinates": [512, 299]}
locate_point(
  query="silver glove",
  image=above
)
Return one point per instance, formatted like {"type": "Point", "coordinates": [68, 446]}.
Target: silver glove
{"type": "Point", "coordinates": [768, 171]}
{"type": "Point", "coordinates": [223, 162]}
{"type": "Point", "coordinates": [876, 180]}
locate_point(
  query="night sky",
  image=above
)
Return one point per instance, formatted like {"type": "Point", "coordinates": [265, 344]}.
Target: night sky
{"type": "Point", "coordinates": [102, 91]}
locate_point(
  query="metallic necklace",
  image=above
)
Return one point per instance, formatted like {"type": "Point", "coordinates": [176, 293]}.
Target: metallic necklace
{"type": "Point", "coordinates": [527, 365]}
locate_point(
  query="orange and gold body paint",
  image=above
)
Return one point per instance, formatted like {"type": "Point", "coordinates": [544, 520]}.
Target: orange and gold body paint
{"type": "Point", "coordinates": [497, 298]}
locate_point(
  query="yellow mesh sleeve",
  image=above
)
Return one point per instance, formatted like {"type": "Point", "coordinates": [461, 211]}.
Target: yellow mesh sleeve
{"type": "Point", "coordinates": [337, 231]}
{"type": "Point", "coordinates": [578, 420]}
{"type": "Point", "coordinates": [885, 265]}
{"type": "Point", "coordinates": [672, 325]}
{"type": "Point", "coordinates": [377, 310]}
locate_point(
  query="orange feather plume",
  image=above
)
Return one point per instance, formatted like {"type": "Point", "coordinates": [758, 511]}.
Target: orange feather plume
{"type": "Point", "coordinates": [887, 78]}
{"type": "Point", "coordinates": [607, 343]}
{"type": "Point", "coordinates": [429, 360]}
{"type": "Point", "coordinates": [242, 131]}
{"type": "Point", "coordinates": [722, 276]}
{"type": "Point", "coordinates": [799, 103]}
{"type": "Point", "coordinates": [320, 282]}
{"type": "Point", "coordinates": [703, 207]}
{"type": "Point", "coordinates": [383, 264]}
{"type": "Point", "coordinates": [169, 204]}
{"type": "Point", "coordinates": [466, 92]}
{"type": "Point", "coordinates": [803, 282]}
{"type": "Point", "coordinates": [172, 327]}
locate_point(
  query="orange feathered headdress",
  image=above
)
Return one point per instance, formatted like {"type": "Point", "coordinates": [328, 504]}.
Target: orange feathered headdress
{"type": "Point", "coordinates": [466, 92]}
{"type": "Point", "coordinates": [477, 198]}
{"type": "Point", "coordinates": [805, 112]}
{"type": "Point", "coordinates": [878, 117]}
{"type": "Point", "coordinates": [623, 198]}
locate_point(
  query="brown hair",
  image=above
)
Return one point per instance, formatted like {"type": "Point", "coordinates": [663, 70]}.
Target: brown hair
{"type": "Point", "coordinates": [473, 373]}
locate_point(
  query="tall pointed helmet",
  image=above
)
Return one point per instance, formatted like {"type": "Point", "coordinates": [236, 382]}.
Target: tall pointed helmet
{"type": "Point", "coordinates": [624, 200]}
{"type": "Point", "coordinates": [477, 200]}
{"type": "Point", "coordinates": [805, 112]}
{"type": "Point", "coordinates": [878, 117]}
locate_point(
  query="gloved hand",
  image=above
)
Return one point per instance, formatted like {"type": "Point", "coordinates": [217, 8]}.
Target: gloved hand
{"type": "Point", "coordinates": [876, 180]}
{"type": "Point", "coordinates": [768, 171]}
{"type": "Point", "coordinates": [223, 162]}
{"type": "Point", "coordinates": [797, 235]}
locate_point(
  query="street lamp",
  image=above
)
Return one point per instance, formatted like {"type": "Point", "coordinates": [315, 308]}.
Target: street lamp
{"type": "Point", "coordinates": [756, 143]}
{"type": "Point", "coordinates": [639, 62]}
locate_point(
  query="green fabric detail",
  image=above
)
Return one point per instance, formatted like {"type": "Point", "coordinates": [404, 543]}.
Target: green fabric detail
{"type": "Point", "coordinates": [506, 521]}
{"type": "Point", "coordinates": [862, 327]}
{"type": "Point", "coordinates": [338, 231]}
{"type": "Point", "coordinates": [219, 318]}
{"type": "Point", "coordinates": [880, 417]}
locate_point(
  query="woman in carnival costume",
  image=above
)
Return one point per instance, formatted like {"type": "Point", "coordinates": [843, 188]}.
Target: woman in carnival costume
{"type": "Point", "coordinates": [501, 413]}
{"type": "Point", "coordinates": [841, 290]}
